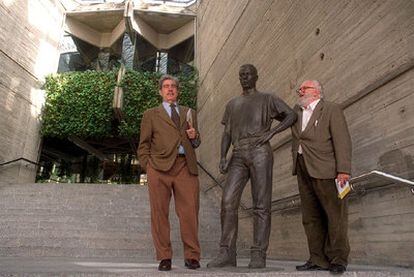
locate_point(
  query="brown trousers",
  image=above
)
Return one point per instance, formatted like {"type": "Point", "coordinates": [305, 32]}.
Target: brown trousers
{"type": "Point", "coordinates": [324, 217]}
{"type": "Point", "coordinates": [185, 188]}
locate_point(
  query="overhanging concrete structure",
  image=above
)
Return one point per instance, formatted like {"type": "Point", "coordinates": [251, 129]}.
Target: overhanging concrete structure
{"type": "Point", "coordinates": [102, 25]}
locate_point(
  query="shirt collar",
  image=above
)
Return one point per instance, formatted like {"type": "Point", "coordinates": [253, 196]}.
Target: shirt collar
{"type": "Point", "coordinates": [167, 105]}
{"type": "Point", "coordinates": [312, 105]}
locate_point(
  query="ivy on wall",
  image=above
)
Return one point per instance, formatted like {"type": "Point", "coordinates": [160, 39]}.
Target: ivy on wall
{"type": "Point", "coordinates": [80, 103]}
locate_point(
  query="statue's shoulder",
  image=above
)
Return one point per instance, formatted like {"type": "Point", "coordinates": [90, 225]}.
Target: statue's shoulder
{"type": "Point", "coordinates": [233, 100]}
{"type": "Point", "coordinates": [269, 95]}
{"type": "Point", "coordinates": [266, 93]}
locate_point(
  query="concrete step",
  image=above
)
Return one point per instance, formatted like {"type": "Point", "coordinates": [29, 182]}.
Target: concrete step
{"type": "Point", "coordinates": [67, 266]}
{"type": "Point", "coordinates": [89, 220]}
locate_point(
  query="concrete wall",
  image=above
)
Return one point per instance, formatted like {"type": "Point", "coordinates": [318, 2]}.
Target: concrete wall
{"type": "Point", "coordinates": [30, 32]}
{"type": "Point", "coordinates": [363, 53]}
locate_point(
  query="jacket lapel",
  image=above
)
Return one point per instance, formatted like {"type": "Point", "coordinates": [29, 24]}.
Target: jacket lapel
{"type": "Point", "coordinates": [298, 125]}
{"type": "Point", "coordinates": [298, 110]}
{"type": "Point", "coordinates": [183, 114]}
{"type": "Point", "coordinates": [315, 115]}
{"type": "Point", "coordinates": [162, 113]}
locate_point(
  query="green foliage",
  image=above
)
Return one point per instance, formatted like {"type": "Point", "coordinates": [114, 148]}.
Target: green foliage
{"type": "Point", "coordinates": [141, 92]}
{"type": "Point", "coordinates": [80, 103]}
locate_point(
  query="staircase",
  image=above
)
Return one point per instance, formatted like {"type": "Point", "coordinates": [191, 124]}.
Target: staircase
{"type": "Point", "coordinates": [89, 221]}
{"type": "Point", "coordinates": [104, 230]}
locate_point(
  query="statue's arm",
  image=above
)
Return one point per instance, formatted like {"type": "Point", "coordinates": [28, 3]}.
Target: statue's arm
{"type": "Point", "coordinates": [286, 117]}
{"type": "Point", "coordinates": [225, 145]}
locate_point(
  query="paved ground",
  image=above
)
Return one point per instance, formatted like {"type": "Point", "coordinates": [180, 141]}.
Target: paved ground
{"type": "Point", "coordinates": [17, 266]}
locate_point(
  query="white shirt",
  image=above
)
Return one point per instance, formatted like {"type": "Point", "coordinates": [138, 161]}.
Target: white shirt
{"type": "Point", "coordinates": [306, 115]}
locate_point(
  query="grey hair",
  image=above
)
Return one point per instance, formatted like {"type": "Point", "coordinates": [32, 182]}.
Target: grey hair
{"type": "Point", "coordinates": [318, 86]}
{"type": "Point", "coordinates": [168, 77]}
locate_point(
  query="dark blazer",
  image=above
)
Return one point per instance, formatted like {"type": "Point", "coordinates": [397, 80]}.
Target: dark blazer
{"type": "Point", "coordinates": [326, 143]}
{"type": "Point", "coordinates": [160, 139]}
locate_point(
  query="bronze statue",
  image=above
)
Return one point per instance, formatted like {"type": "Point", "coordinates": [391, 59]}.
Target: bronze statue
{"type": "Point", "coordinates": [247, 126]}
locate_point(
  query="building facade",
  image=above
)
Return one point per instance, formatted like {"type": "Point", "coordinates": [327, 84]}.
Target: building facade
{"type": "Point", "coordinates": [363, 53]}
{"type": "Point", "coordinates": [30, 33]}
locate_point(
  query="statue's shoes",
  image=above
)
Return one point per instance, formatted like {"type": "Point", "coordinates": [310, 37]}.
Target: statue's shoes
{"type": "Point", "coordinates": [223, 259]}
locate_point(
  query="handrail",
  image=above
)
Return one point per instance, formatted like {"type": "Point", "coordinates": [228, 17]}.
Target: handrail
{"type": "Point", "coordinates": [382, 175]}
{"type": "Point", "coordinates": [293, 201]}
{"type": "Point", "coordinates": [18, 159]}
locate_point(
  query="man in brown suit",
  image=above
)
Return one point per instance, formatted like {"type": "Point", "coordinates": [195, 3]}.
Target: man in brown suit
{"type": "Point", "coordinates": [321, 149]}
{"type": "Point", "coordinates": [168, 137]}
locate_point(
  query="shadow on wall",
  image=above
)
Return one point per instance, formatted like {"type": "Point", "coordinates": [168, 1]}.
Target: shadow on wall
{"type": "Point", "coordinates": [398, 163]}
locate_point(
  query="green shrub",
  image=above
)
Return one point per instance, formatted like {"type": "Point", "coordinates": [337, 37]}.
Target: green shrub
{"type": "Point", "coordinates": [80, 103]}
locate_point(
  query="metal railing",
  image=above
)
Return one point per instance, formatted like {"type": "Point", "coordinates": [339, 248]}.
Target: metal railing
{"type": "Point", "coordinates": [359, 185]}
{"type": "Point", "coordinates": [172, 2]}
{"type": "Point", "coordinates": [387, 179]}
{"type": "Point", "coordinates": [19, 159]}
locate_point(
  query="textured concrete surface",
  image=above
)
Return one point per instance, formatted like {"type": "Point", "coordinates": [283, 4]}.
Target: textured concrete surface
{"type": "Point", "coordinates": [362, 52]}
{"type": "Point", "coordinates": [29, 39]}
{"type": "Point", "coordinates": [89, 220]}
{"type": "Point", "coordinates": [19, 266]}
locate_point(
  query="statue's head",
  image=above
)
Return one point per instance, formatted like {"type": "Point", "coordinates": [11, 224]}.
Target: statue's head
{"type": "Point", "coordinates": [248, 76]}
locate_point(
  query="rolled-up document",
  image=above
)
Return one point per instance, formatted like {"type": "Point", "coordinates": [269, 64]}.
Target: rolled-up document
{"type": "Point", "coordinates": [342, 191]}
{"type": "Point", "coordinates": [189, 117]}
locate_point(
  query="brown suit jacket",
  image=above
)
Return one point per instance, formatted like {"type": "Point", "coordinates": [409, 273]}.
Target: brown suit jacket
{"type": "Point", "coordinates": [160, 139]}
{"type": "Point", "coordinates": [326, 143]}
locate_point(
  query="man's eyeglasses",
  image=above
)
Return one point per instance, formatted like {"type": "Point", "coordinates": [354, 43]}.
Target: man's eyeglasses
{"type": "Point", "coordinates": [302, 89]}
{"type": "Point", "coordinates": [169, 86]}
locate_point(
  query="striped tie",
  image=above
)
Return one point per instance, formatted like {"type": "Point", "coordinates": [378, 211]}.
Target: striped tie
{"type": "Point", "coordinates": [174, 115]}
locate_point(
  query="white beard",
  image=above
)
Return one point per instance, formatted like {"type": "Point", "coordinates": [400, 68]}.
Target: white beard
{"type": "Point", "coordinates": [305, 100]}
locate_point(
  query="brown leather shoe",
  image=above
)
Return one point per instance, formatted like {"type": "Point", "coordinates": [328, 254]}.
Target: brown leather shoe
{"type": "Point", "coordinates": [309, 266]}
{"type": "Point", "coordinates": [191, 263]}
{"type": "Point", "coordinates": [165, 265]}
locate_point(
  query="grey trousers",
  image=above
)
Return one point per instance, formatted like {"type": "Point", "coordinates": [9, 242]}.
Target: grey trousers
{"type": "Point", "coordinates": [254, 163]}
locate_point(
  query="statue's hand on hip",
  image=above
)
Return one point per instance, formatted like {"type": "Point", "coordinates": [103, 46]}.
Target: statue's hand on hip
{"type": "Point", "coordinates": [263, 139]}
{"type": "Point", "coordinates": [223, 166]}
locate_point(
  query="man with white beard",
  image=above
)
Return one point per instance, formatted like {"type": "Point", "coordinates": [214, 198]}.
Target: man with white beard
{"type": "Point", "coordinates": [321, 150]}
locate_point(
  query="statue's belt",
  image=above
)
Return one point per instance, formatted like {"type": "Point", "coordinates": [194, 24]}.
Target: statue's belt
{"type": "Point", "coordinates": [247, 143]}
